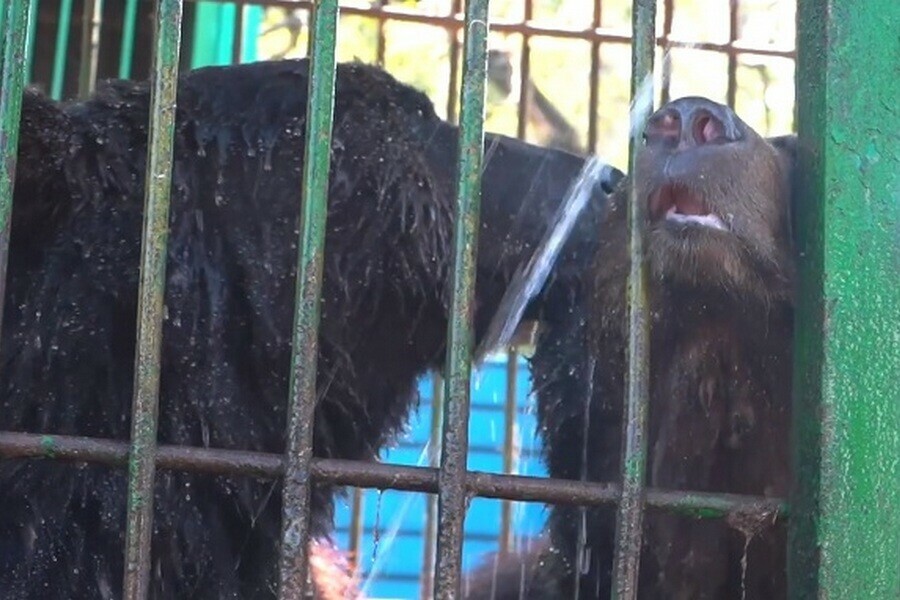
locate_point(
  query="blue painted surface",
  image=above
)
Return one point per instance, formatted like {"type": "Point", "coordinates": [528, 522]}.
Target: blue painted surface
{"type": "Point", "coordinates": [391, 559]}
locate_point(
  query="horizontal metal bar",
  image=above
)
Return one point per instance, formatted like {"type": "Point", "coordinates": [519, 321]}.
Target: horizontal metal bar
{"type": "Point", "coordinates": [600, 34]}
{"type": "Point", "coordinates": [381, 476]}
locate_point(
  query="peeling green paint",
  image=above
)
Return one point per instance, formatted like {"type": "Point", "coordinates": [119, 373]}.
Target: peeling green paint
{"type": "Point", "coordinates": [845, 533]}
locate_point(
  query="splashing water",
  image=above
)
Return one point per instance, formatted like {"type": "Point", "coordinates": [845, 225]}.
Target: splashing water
{"type": "Point", "coordinates": [386, 539]}
{"type": "Point", "coordinates": [582, 550]}
{"type": "Point", "coordinates": [529, 280]}
{"type": "Point", "coordinates": [642, 104]}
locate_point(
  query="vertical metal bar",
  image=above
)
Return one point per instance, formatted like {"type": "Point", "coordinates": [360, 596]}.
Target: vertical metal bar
{"type": "Point", "coordinates": [31, 42]}
{"type": "Point", "coordinates": [434, 453]}
{"type": "Point", "coordinates": [525, 75]}
{"type": "Point", "coordinates": [380, 41]}
{"type": "Point", "coordinates": [509, 440]}
{"type": "Point", "coordinates": [452, 492]}
{"type": "Point", "coordinates": [631, 506]}
{"type": "Point", "coordinates": [732, 51]}
{"type": "Point", "coordinates": [158, 183]}
{"type": "Point", "coordinates": [594, 98]}
{"type": "Point", "coordinates": [454, 64]}
{"type": "Point", "coordinates": [91, 24]}
{"type": "Point", "coordinates": [237, 40]}
{"type": "Point", "coordinates": [60, 51]}
{"type": "Point", "coordinates": [668, 18]}
{"type": "Point", "coordinates": [129, 24]}
{"type": "Point", "coordinates": [15, 17]}
{"type": "Point", "coordinates": [356, 528]}
{"type": "Point", "coordinates": [304, 355]}
{"type": "Point", "coordinates": [845, 524]}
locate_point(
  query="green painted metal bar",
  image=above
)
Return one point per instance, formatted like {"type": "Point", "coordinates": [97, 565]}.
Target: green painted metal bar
{"type": "Point", "coordinates": [158, 183]}
{"type": "Point", "coordinates": [15, 17]}
{"type": "Point", "coordinates": [845, 533]}
{"type": "Point", "coordinates": [60, 50]}
{"type": "Point", "coordinates": [304, 356]}
{"type": "Point", "coordinates": [452, 489]}
{"type": "Point", "coordinates": [630, 516]}
{"type": "Point", "coordinates": [126, 52]}
{"type": "Point", "coordinates": [31, 43]}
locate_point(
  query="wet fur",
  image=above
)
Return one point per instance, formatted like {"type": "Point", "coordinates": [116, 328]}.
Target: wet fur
{"type": "Point", "coordinates": [721, 348]}
{"type": "Point", "coordinates": [68, 338]}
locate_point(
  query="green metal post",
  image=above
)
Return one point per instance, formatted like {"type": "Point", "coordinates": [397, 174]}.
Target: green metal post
{"type": "Point", "coordinates": [453, 493]}
{"type": "Point", "coordinates": [31, 43]}
{"type": "Point", "coordinates": [126, 52]}
{"type": "Point", "coordinates": [60, 50]}
{"type": "Point", "coordinates": [304, 355]}
{"type": "Point", "coordinates": [629, 526]}
{"type": "Point", "coordinates": [845, 529]}
{"type": "Point", "coordinates": [158, 183]}
{"type": "Point", "coordinates": [16, 19]}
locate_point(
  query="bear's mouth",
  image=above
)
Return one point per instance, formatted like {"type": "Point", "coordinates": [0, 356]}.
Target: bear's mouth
{"type": "Point", "coordinates": [676, 203]}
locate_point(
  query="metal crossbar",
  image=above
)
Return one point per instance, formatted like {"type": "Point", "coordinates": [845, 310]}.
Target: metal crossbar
{"type": "Point", "coordinates": [451, 481]}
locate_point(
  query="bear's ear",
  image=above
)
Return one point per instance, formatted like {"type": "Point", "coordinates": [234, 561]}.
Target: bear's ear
{"type": "Point", "coordinates": [787, 148]}
{"type": "Point", "coordinates": [44, 133]}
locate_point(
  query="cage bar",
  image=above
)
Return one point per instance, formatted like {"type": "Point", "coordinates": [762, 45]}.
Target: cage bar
{"type": "Point", "coordinates": [509, 443]}
{"type": "Point", "coordinates": [524, 74]}
{"type": "Point", "coordinates": [158, 183]}
{"type": "Point", "coordinates": [296, 494]}
{"type": "Point", "coordinates": [845, 537]}
{"type": "Point", "coordinates": [31, 41]}
{"type": "Point", "coordinates": [434, 455]}
{"type": "Point", "coordinates": [629, 521]}
{"type": "Point", "coordinates": [525, 488]}
{"type": "Point", "coordinates": [453, 494]}
{"type": "Point", "coordinates": [126, 52]}
{"type": "Point", "coordinates": [15, 19]}
{"type": "Point", "coordinates": [60, 50]}
{"type": "Point", "coordinates": [91, 24]}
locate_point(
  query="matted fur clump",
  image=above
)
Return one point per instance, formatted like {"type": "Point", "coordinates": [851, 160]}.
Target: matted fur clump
{"type": "Point", "coordinates": [68, 338]}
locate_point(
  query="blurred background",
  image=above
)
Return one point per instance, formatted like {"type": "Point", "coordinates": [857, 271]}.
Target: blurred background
{"type": "Point", "coordinates": [558, 76]}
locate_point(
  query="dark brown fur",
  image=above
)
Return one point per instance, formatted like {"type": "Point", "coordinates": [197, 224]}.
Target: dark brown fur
{"type": "Point", "coordinates": [721, 316]}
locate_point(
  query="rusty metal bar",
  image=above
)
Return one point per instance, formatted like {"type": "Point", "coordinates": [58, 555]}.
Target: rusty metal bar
{"type": "Point", "coordinates": [15, 19]}
{"type": "Point", "coordinates": [296, 495]}
{"type": "Point", "coordinates": [378, 476]}
{"type": "Point", "coordinates": [91, 25]}
{"type": "Point", "coordinates": [525, 75]}
{"type": "Point", "coordinates": [453, 83]}
{"type": "Point", "coordinates": [509, 440]}
{"type": "Point", "coordinates": [666, 44]}
{"type": "Point", "coordinates": [356, 529]}
{"type": "Point", "coordinates": [733, 8]}
{"type": "Point", "coordinates": [158, 183]}
{"type": "Point", "coordinates": [453, 493]}
{"type": "Point", "coordinates": [380, 41]}
{"type": "Point", "coordinates": [629, 520]}
{"type": "Point", "coordinates": [594, 93]}
{"type": "Point", "coordinates": [601, 34]}
{"type": "Point", "coordinates": [434, 454]}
